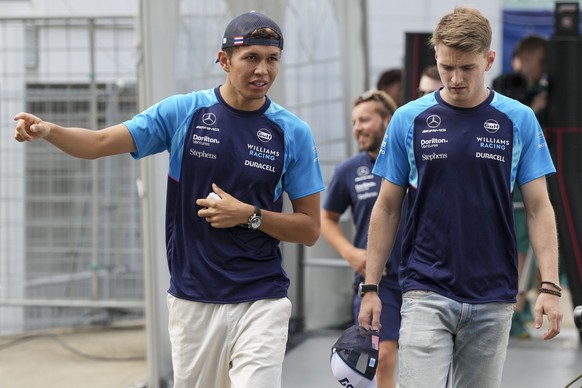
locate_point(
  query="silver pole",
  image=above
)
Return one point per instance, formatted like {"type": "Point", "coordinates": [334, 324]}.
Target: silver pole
{"type": "Point", "coordinates": [143, 184]}
{"type": "Point", "coordinates": [158, 21]}
{"type": "Point", "coordinates": [94, 167]}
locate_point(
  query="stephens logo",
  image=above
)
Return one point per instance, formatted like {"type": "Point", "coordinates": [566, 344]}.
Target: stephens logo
{"type": "Point", "coordinates": [202, 154]}
{"type": "Point", "coordinates": [264, 135]}
{"type": "Point", "coordinates": [433, 156]}
{"type": "Point", "coordinates": [491, 126]}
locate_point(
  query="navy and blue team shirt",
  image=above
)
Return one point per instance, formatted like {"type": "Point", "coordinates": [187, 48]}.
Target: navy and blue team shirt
{"type": "Point", "coordinates": [354, 186]}
{"type": "Point", "coordinates": [254, 156]}
{"type": "Point", "coordinates": [460, 166]}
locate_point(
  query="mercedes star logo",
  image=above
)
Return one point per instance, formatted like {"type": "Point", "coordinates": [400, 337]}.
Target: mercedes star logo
{"type": "Point", "coordinates": [363, 171]}
{"type": "Point", "coordinates": [209, 118]}
{"type": "Point", "coordinates": [433, 121]}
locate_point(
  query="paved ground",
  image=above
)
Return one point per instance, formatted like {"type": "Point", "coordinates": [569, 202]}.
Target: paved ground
{"type": "Point", "coordinates": [88, 358]}
{"type": "Point", "coordinates": [115, 358]}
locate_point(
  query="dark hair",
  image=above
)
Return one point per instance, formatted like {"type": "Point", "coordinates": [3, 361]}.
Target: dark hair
{"type": "Point", "coordinates": [389, 77]}
{"type": "Point", "coordinates": [528, 44]}
{"type": "Point", "coordinates": [259, 33]}
{"type": "Point", "coordinates": [431, 72]}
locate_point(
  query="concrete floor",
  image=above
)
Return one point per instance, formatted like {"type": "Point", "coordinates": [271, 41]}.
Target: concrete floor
{"type": "Point", "coordinates": [530, 363]}
{"type": "Point", "coordinates": [115, 357]}
{"type": "Point", "coordinates": [86, 358]}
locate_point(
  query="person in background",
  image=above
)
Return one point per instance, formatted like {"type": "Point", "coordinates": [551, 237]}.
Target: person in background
{"type": "Point", "coordinates": [430, 81]}
{"type": "Point", "coordinates": [390, 81]}
{"type": "Point", "coordinates": [228, 306]}
{"type": "Point", "coordinates": [527, 81]}
{"type": "Point", "coordinates": [527, 84]}
{"type": "Point", "coordinates": [354, 186]}
{"type": "Point", "coordinates": [458, 153]}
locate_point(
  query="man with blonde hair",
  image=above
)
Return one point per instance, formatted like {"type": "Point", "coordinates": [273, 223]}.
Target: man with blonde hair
{"type": "Point", "coordinates": [460, 152]}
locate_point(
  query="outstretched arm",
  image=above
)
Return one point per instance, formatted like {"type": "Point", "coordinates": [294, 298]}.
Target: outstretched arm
{"type": "Point", "coordinates": [79, 142]}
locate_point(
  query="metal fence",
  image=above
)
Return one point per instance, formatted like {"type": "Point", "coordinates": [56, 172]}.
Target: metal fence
{"type": "Point", "coordinates": [71, 249]}
{"type": "Point", "coordinates": [70, 228]}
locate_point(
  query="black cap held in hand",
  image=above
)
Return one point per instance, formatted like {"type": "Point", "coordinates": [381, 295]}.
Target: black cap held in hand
{"type": "Point", "coordinates": [354, 357]}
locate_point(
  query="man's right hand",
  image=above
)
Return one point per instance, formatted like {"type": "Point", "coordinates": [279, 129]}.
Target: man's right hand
{"type": "Point", "coordinates": [357, 259]}
{"type": "Point", "coordinates": [30, 127]}
{"type": "Point", "coordinates": [370, 310]}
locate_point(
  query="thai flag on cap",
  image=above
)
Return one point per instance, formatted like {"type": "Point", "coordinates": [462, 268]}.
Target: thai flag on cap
{"type": "Point", "coordinates": [238, 40]}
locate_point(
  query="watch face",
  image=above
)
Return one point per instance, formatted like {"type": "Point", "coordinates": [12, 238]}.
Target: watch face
{"type": "Point", "coordinates": [255, 222]}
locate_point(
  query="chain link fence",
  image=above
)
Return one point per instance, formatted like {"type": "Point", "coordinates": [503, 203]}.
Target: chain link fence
{"type": "Point", "coordinates": [70, 228]}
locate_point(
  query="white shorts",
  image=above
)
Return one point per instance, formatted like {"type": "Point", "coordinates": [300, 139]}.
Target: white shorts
{"type": "Point", "coordinates": [228, 345]}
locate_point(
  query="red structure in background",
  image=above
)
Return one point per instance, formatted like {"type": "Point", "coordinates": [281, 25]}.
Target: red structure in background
{"type": "Point", "coordinates": [564, 133]}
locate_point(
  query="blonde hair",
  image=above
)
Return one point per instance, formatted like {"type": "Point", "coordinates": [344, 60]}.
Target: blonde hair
{"type": "Point", "coordinates": [386, 105]}
{"type": "Point", "coordinates": [465, 29]}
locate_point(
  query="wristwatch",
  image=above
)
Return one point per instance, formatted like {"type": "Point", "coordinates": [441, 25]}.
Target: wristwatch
{"type": "Point", "coordinates": [255, 220]}
{"type": "Point", "coordinates": [363, 288]}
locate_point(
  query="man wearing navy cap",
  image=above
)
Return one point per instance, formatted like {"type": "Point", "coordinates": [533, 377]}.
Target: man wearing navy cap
{"type": "Point", "coordinates": [232, 153]}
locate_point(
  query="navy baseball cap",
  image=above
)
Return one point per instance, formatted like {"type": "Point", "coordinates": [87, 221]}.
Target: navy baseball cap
{"type": "Point", "coordinates": [239, 30]}
{"type": "Point", "coordinates": [354, 357]}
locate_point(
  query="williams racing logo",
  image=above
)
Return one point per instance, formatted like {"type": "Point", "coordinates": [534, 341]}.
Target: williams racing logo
{"type": "Point", "coordinates": [266, 154]}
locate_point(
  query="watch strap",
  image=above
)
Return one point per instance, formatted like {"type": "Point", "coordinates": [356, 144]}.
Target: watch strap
{"type": "Point", "coordinates": [369, 288]}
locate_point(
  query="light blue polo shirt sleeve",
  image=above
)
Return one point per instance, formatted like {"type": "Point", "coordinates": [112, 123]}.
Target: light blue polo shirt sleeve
{"type": "Point", "coordinates": [163, 126]}
{"type": "Point", "coordinates": [535, 160]}
{"type": "Point", "coordinates": [302, 174]}
{"type": "Point", "coordinates": [395, 161]}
